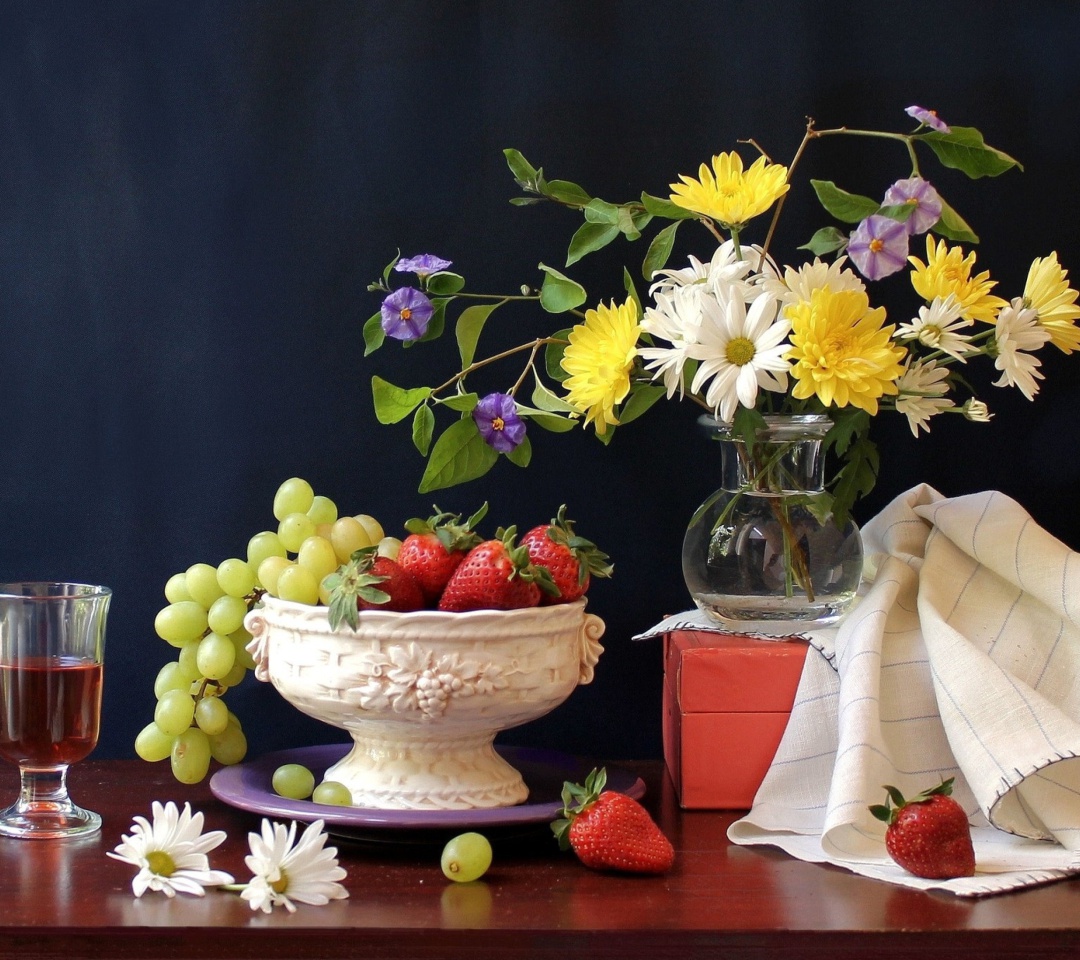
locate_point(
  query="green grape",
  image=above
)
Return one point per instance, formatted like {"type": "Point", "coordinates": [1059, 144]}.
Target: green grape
{"type": "Point", "coordinates": [229, 746]}
{"type": "Point", "coordinates": [294, 529]}
{"type": "Point", "coordinates": [466, 857]}
{"type": "Point", "coordinates": [153, 745]}
{"type": "Point", "coordinates": [236, 577]}
{"type": "Point", "coordinates": [170, 677]}
{"type": "Point", "coordinates": [323, 510]}
{"type": "Point", "coordinates": [216, 656]}
{"type": "Point", "coordinates": [180, 623]}
{"type": "Point", "coordinates": [226, 614]}
{"type": "Point", "coordinates": [235, 676]}
{"type": "Point", "coordinates": [293, 781]}
{"type": "Point", "coordinates": [293, 496]}
{"type": "Point", "coordinates": [202, 584]}
{"type": "Point", "coordinates": [374, 529]}
{"type": "Point", "coordinates": [298, 584]}
{"type": "Point", "coordinates": [188, 660]}
{"type": "Point", "coordinates": [333, 793]}
{"type": "Point", "coordinates": [191, 756]}
{"type": "Point", "coordinates": [240, 639]}
{"type": "Point", "coordinates": [348, 535]}
{"type": "Point", "coordinates": [317, 555]}
{"type": "Point", "coordinates": [174, 712]}
{"type": "Point", "coordinates": [176, 588]}
{"type": "Point", "coordinates": [269, 571]}
{"type": "Point", "coordinates": [389, 547]}
{"type": "Point", "coordinates": [211, 715]}
{"type": "Point", "coordinates": [263, 545]}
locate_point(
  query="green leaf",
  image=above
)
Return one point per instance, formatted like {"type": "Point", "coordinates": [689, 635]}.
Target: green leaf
{"type": "Point", "coordinates": [545, 399]}
{"type": "Point", "coordinates": [566, 192]}
{"type": "Point", "coordinates": [825, 241]}
{"type": "Point", "coordinates": [525, 201]}
{"type": "Point", "coordinates": [659, 207]}
{"type": "Point", "coordinates": [462, 402]}
{"type": "Point", "coordinates": [394, 404]}
{"type": "Point", "coordinates": [600, 211]}
{"type": "Point", "coordinates": [553, 354]}
{"type": "Point", "coordinates": [436, 324]}
{"type": "Point", "coordinates": [373, 333]}
{"type": "Point", "coordinates": [952, 226]}
{"type": "Point", "coordinates": [642, 397]}
{"type": "Point", "coordinates": [389, 267]}
{"type": "Point", "coordinates": [631, 290]}
{"type": "Point", "coordinates": [423, 426]}
{"type": "Point", "coordinates": [900, 212]}
{"type": "Point", "coordinates": [855, 479]}
{"type": "Point", "coordinates": [628, 223]}
{"type": "Point", "coordinates": [964, 149]}
{"type": "Point", "coordinates": [524, 172]}
{"type": "Point", "coordinates": [559, 293]}
{"type": "Point", "coordinates": [459, 455]}
{"type": "Point", "coordinates": [849, 423]}
{"type": "Point", "coordinates": [588, 238]}
{"type": "Point", "coordinates": [469, 326]}
{"type": "Point", "coordinates": [849, 207]}
{"type": "Point", "coordinates": [659, 251]}
{"type": "Point", "coordinates": [444, 283]}
{"type": "Point", "coordinates": [553, 422]}
{"type": "Point", "coordinates": [521, 454]}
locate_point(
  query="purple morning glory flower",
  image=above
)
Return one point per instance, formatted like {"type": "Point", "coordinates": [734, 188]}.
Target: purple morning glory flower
{"type": "Point", "coordinates": [928, 117]}
{"type": "Point", "coordinates": [879, 246]}
{"type": "Point", "coordinates": [406, 313]}
{"type": "Point", "coordinates": [422, 265]}
{"type": "Point", "coordinates": [498, 421]}
{"type": "Point", "coordinates": [922, 196]}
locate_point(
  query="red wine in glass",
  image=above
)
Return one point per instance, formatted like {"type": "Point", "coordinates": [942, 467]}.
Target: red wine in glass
{"type": "Point", "coordinates": [50, 710]}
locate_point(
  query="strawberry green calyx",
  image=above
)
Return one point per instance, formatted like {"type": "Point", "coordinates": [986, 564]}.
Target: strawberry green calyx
{"type": "Point", "coordinates": [895, 800]}
{"type": "Point", "coordinates": [591, 559]}
{"type": "Point", "coordinates": [452, 533]}
{"type": "Point", "coordinates": [352, 580]}
{"type": "Point", "coordinates": [524, 568]}
{"type": "Point", "coordinates": [577, 798]}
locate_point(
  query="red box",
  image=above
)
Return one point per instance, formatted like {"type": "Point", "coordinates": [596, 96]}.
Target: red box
{"type": "Point", "coordinates": [727, 700]}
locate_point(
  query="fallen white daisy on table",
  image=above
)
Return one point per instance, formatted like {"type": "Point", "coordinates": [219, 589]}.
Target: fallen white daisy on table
{"type": "Point", "coordinates": [286, 870]}
{"type": "Point", "coordinates": [170, 852]}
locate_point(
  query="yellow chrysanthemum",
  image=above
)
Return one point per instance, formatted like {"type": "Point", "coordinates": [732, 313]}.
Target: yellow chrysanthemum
{"type": "Point", "coordinates": [948, 271]}
{"type": "Point", "coordinates": [598, 359]}
{"type": "Point", "coordinates": [728, 193]}
{"type": "Point", "coordinates": [1048, 293]}
{"type": "Point", "coordinates": [842, 351]}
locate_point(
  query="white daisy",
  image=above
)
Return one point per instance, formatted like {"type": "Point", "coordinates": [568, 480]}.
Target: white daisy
{"type": "Point", "coordinates": [171, 852]}
{"type": "Point", "coordinates": [922, 388]}
{"type": "Point", "coordinates": [286, 871]}
{"type": "Point", "coordinates": [1018, 332]}
{"type": "Point", "coordinates": [797, 284]}
{"type": "Point", "coordinates": [976, 411]}
{"type": "Point", "coordinates": [936, 327]}
{"type": "Point", "coordinates": [676, 318]}
{"type": "Point", "coordinates": [740, 350]}
{"type": "Point", "coordinates": [724, 267]}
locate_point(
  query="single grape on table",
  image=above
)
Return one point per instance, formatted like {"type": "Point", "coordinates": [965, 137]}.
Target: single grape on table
{"type": "Point", "coordinates": [466, 857]}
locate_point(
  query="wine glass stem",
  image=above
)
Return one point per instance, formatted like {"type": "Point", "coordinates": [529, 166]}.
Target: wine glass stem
{"type": "Point", "coordinates": [41, 785]}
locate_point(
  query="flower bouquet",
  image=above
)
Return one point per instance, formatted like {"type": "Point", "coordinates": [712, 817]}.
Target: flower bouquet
{"type": "Point", "coordinates": [748, 340]}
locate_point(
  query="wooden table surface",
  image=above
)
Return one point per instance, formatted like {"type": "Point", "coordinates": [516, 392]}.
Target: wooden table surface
{"type": "Point", "coordinates": [67, 899]}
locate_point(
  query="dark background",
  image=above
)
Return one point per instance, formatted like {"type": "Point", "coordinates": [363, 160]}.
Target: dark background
{"type": "Point", "coordinates": [194, 196]}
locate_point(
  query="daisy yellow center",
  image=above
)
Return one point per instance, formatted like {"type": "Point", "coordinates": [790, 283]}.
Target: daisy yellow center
{"type": "Point", "coordinates": [930, 335]}
{"type": "Point", "coordinates": [740, 351]}
{"type": "Point", "coordinates": [281, 884]}
{"type": "Point", "coordinates": [498, 424]}
{"type": "Point", "coordinates": [160, 863]}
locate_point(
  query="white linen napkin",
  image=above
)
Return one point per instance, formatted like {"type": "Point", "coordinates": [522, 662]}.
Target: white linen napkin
{"type": "Point", "coordinates": [961, 659]}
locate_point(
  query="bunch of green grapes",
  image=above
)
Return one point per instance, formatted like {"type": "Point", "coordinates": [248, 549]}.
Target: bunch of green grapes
{"type": "Point", "coordinates": [204, 621]}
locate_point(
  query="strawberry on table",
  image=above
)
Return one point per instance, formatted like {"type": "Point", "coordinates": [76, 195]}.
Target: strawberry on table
{"type": "Point", "coordinates": [610, 831]}
{"type": "Point", "coordinates": [435, 546]}
{"type": "Point", "coordinates": [928, 836]}
{"type": "Point", "coordinates": [572, 560]}
{"type": "Point", "coordinates": [370, 582]}
{"type": "Point", "coordinates": [496, 575]}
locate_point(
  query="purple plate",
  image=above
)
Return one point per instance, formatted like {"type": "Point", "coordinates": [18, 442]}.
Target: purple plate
{"type": "Point", "coordinates": [247, 787]}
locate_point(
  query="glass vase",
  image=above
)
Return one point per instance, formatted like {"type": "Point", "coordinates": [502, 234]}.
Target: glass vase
{"type": "Point", "coordinates": [763, 553]}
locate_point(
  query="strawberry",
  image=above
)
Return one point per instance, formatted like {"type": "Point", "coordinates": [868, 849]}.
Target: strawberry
{"type": "Point", "coordinates": [928, 836]}
{"type": "Point", "coordinates": [610, 831]}
{"type": "Point", "coordinates": [571, 559]}
{"type": "Point", "coordinates": [434, 548]}
{"type": "Point", "coordinates": [370, 582]}
{"type": "Point", "coordinates": [495, 575]}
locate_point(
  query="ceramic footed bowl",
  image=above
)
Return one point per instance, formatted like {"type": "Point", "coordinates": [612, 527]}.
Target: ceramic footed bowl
{"type": "Point", "coordinates": [423, 694]}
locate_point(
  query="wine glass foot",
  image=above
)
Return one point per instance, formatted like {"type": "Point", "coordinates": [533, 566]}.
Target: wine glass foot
{"type": "Point", "coordinates": [47, 820]}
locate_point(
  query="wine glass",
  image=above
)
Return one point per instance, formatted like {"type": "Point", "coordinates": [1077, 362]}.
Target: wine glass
{"type": "Point", "coordinates": [52, 639]}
